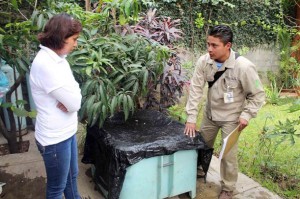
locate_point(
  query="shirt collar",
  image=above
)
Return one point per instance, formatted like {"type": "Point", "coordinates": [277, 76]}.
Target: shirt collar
{"type": "Point", "coordinates": [229, 63]}
{"type": "Point", "coordinates": [52, 54]}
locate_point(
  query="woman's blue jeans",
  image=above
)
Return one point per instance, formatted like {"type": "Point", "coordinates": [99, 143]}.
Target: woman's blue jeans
{"type": "Point", "coordinates": [61, 163]}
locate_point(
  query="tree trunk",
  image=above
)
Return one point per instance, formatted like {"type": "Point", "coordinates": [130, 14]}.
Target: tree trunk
{"type": "Point", "coordinates": [296, 39]}
{"type": "Point", "coordinates": [87, 5]}
{"type": "Point", "coordinates": [12, 135]}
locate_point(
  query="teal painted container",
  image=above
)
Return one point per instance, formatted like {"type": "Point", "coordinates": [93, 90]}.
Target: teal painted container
{"type": "Point", "coordinates": [161, 177]}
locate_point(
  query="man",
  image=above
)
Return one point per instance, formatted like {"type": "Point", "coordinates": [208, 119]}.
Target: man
{"type": "Point", "coordinates": [235, 95]}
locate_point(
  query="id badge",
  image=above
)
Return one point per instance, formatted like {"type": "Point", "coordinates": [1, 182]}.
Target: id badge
{"type": "Point", "coordinates": [228, 97]}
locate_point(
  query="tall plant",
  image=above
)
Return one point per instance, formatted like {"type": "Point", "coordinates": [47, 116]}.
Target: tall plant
{"type": "Point", "coordinates": [117, 71]}
{"type": "Point", "coordinates": [16, 46]}
{"type": "Point", "coordinates": [164, 31]}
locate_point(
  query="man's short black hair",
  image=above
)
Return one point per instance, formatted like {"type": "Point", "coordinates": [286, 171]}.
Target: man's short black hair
{"type": "Point", "coordinates": [223, 32]}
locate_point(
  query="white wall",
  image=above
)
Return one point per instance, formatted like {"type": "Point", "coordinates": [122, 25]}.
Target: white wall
{"type": "Point", "coordinates": [265, 60]}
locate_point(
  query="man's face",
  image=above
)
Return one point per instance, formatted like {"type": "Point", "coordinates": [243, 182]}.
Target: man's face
{"type": "Point", "coordinates": [217, 50]}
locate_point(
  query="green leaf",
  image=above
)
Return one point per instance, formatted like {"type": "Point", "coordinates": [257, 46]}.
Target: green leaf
{"type": "Point", "coordinates": [113, 104]}
{"type": "Point", "coordinates": [104, 112]}
{"type": "Point", "coordinates": [90, 102]}
{"type": "Point", "coordinates": [88, 87]}
{"type": "Point", "coordinates": [96, 112]}
{"type": "Point", "coordinates": [14, 4]}
{"type": "Point", "coordinates": [103, 95]}
{"type": "Point", "coordinates": [127, 8]}
{"type": "Point", "coordinates": [130, 103]}
{"type": "Point", "coordinates": [88, 70]}
{"type": "Point", "coordinates": [120, 98]}
{"type": "Point", "coordinates": [40, 21]}
{"type": "Point", "coordinates": [21, 102]}
{"type": "Point", "coordinates": [94, 31]}
{"type": "Point", "coordinates": [145, 78]}
{"type": "Point", "coordinates": [21, 64]}
{"type": "Point", "coordinates": [122, 20]}
{"type": "Point", "coordinates": [125, 107]}
{"type": "Point", "coordinates": [19, 111]}
{"type": "Point", "coordinates": [129, 85]}
{"type": "Point", "coordinates": [135, 88]}
{"type": "Point", "coordinates": [6, 105]}
{"type": "Point", "coordinates": [32, 114]}
{"type": "Point", "coordinates": [119, 78]}
{"type": "Point", "coordinates": [79, 52]}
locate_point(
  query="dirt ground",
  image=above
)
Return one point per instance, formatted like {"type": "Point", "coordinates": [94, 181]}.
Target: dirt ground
{"type": "Point", "coordinates": [17, 186]}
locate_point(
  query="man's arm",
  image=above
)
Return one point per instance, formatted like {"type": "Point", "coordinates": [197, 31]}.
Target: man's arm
{"type": "Point", "coordinates": [255, 95]}
{"type": "Point", "coordinates": [195, 95]}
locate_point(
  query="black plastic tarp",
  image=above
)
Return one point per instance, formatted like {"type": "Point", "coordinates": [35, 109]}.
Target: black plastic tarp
{"type": "Point", "coordinates": [146, 134]}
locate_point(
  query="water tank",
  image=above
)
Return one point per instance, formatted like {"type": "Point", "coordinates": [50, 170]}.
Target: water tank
{"type": "Point", "coordinates": [31, 102]}
{"type": "Point", "coordinates": [9, 72]}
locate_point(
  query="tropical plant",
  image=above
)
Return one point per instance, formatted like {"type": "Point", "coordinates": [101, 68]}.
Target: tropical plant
{"type": "Point", "coordinates": [160, 29]}
{"type": "Point", "coordinates": [163, 30]}
{"type": "Point", "coordinates": [18, 45]}
{"type": "Point", "coordinates": [117, 72]}
{"type": "Point", "coordinates": [16, 48]}
{"type": "Point", "coordinates": [172, 82]}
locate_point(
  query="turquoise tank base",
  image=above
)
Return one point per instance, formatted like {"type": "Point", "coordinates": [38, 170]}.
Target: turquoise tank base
{"type": "Point", "coordinates": [160, 177]}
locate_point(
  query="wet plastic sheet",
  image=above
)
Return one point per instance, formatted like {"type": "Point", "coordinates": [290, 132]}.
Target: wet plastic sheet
{"type": "Point", "coordinates": [146, 134]}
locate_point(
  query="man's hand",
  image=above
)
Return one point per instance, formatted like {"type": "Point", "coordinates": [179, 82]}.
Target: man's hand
{"type": "Point", "coordinates": [190, 129]}
{"type": "Point", "coordinates": [62, 107]}
{"type": "Point", "coordinates": [243, 124]}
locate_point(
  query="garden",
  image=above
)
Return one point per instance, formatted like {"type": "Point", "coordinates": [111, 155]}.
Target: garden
{"type": "Point", "coordinates": [140, 54]}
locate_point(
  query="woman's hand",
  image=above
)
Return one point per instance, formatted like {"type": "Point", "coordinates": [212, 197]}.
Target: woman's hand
{"type": "Point", "coordinates": [62, 107]}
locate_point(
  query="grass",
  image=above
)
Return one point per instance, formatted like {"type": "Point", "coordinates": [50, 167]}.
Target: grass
{"type": "Point", "coordinates": [274, 164]}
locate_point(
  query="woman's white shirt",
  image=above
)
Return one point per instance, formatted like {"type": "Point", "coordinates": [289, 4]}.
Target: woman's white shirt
{"type": "Point", "coordinates": [52, 81]}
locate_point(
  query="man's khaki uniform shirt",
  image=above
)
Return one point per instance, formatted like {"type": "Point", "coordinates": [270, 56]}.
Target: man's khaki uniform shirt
{"type": "Point", "coordinates": [240, 78]}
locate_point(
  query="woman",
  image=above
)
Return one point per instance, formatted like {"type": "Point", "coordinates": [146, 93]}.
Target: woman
{"type": "Point", "coordinates": [57, 98]}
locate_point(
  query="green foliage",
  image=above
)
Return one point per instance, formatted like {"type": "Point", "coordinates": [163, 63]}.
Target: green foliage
{"type": "Point", "coordinates": [268, 149]}
{"type": "Point", "coordinates": [199, 21]}
{"type": "Point", "coordinates": [178, 113]}
{"type": "Point", "coordinates": [19, 109]}
{"type": "Point", "coordinates": [252, 23]}
{"type": "Point", "coordinates": [289, 65]}
{"type": "Point", "coordinates": [273, 93]}
{"type": "Point", "coordinates": [117, 73]}
{"type": "Point", "coordinates": [285, 130]}
{"type": "Point", "coordinates": [163, 30]}
{"type": "Point", "coordinates": [122, 11]}
{"type": "Point", "coordinates": [15, 46]}
{"type": "Point", "coordinates": [295, 106]}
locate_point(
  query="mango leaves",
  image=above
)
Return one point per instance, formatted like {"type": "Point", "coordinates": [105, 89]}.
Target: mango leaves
{"type": "Point", "coordinates": [115, 72]}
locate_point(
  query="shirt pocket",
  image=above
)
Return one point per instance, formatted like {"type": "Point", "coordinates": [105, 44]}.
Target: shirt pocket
{"type": "Point", "coordinates": [230, 83]}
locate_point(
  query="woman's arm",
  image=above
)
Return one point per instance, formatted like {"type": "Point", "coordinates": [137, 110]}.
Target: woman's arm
{"type": "Point", "coordinates": [71, 100]}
